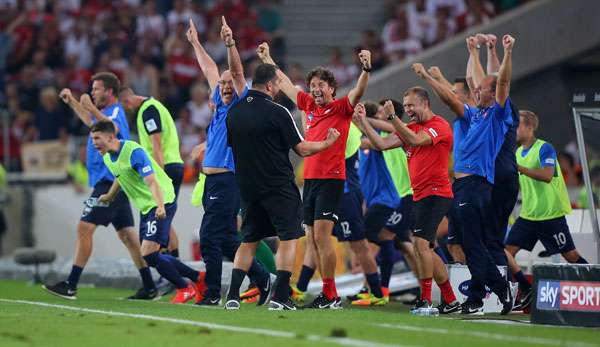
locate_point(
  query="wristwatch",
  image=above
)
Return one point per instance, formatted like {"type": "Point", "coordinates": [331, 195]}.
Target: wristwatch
{"type": "Point", "coordinates": [391, 116]}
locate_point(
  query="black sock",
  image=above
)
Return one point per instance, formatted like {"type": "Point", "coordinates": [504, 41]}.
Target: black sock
{"type": "Point", "coordinates": [523, 282]}
{"type": "Point", "coordinates": [147, 278]}
{"type": "Point", "coordinates": [175, 253]}
{"type": "Point", "coordinates": [166, 269]}
{"type": "Point", "coordinates": [183, 269]}
{"type": "Point", "coordinates": [74, 276]}
{"type": "Point", "coordinates": [237, 276]}
{"type": "Point", "coordinates": [374, 284]}
{"type": "Point", "coordinates": [305, 275]}
{"type": "Point", "coordinates": [581, 260]}
{"type": "Point", "coordinates": [282, 291]}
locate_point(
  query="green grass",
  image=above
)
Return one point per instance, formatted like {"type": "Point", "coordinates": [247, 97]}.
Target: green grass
{"type": "Point", "coordinates": [23, 324]}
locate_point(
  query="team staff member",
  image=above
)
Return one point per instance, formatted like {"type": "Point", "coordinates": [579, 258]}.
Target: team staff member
{"type": "Point", "coordinates": [261, 133]}
{"type": "Point", "coordinates": [427, 141]}
{"type": "Point", "coordinates": [221, 199]}
{"type": "Point", "coordinates": [105, 106]}
{"type": "Point", "coordinates": [545, 203]}
{"type": "Point", "coordinates": [151, 191]}
{"type": "Point", "coordinates": [324, 173]}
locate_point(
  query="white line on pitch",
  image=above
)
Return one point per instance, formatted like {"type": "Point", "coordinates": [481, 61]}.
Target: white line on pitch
{"type": "Point", "coordinates": [344, 341]}
{"type": "Point", "coordinates": [484, 335]}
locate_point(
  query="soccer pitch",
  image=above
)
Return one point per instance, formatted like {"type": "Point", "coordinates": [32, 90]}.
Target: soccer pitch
{"type": "Point", "coordinates": [100, 317]}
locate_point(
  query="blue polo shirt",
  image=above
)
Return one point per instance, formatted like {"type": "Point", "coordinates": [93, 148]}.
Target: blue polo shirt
{"type": "Point", "coordinates": [218, 153]}
{"type": "Point", "coordinates": [352, 182]}
{"type": "Point", "coordinates": [460, 128]}
{"type": "Point", "coordinates": [483, 140]}
{"type": "Point", "coordinates": [375, 180]}
{"type": "Point", "coordinates": [97, 171]}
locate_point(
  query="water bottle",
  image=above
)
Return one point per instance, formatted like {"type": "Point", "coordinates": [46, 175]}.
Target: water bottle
{"type": "Point", "coordinates": [426, 311]}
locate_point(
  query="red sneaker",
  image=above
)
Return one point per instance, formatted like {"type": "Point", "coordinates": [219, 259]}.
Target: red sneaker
{"type": "Point", "coordinates": [184, 295]}
{"type": "Point", "coordinates": [200, 286]}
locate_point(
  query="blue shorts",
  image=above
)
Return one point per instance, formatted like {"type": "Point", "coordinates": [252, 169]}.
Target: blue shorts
{"type": "Point", "coordinates": [455, 232]}
{"type": "Point", "coordinates": [553, 233]}
{"type": "Point", "coordinates": [118, 213]}
{"type": "Point", "coordinates": [397, 220]}
{"type": "Point", "coordinates": [157, 230]}
{"type": "Point", "coordinates": [351, 226]}
{"type": "Point", "coordinates": [175, 173]}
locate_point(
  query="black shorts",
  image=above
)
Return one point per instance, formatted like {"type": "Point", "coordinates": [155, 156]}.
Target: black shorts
{"type": "Point", "coordinates": [321, 199]}
{"type": "Point", "coordinates": [275, 214]}
{"type": "Point", "coordinates": [553, 233]}
{"type": "Point", "coordinates": [118, 213]}
{"type": "Point", "coordinates": [455, 232]}
{"type": "Point", "coordinates": [379, 217]}
{"type": "Point", "coordinates": [428, 213]}
{"type": "Point", "coordinates": [175, 173]}
{"type": "Point", "coordinates": [352, 223]}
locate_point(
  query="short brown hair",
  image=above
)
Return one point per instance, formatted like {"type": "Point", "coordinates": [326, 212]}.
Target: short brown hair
{"type": "Point", "coordinates": [110, 81]}
{"type": "Point", "coordinates": [371, 109]}
{"type": "Point", "coordinates": [324, 74]}
{"type": "Point", "coordinates": [420, 92]}
{"type": "Point", "coordinates": [103, 126]}
{"type": "Point", "coordinates": [529, 119]}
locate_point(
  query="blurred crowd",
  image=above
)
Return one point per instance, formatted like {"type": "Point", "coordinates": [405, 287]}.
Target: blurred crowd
{"type": "Point", "coordinates": [48, 45]}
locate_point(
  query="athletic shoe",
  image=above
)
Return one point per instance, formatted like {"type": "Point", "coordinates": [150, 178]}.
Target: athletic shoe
{"type": "Point", "coordinates": [420, 304]}
{"type": "Point", "coordinates": [251, 293]}
{"type": "Point", "coordinates": [507, 302]}
{"type": "Point", "coordinates": [524, 300]}
{"type": "Point", "coordinates": [363, 293]}
{"type": "Point", "coordinates": [164, 286]}
{"type": "Point", "coordinates": [472, 308]}
{"type": "Point", "coordinates": [424, 308]}
{"type": "Point", "coordinates": [297, 295]}
{"type": "Point", "coordinates": [386, 294]}
{"type": "Point", "coordinates": [184, 295]}
{"type": "Point", "coordinates": [265, 292]}
{"type": "Point", "coordinates": [372, 300]}
{"type": "Point", "coordinates": [145, 294]}
{"type": "Point", "coordinates": [277, 305]}
{"type": "Point", "coordinates": [209, 301]}
{"type": "Point", "coordinates": [62, 289]}
{"type": "Point", "coordinates": [232, 305]}
{"type": "Point", "coordinates": [445, 308]}
{"type": "Point", "coordinates": [200, 286]}
{"type": "Point", "coordinates": [321, 302]}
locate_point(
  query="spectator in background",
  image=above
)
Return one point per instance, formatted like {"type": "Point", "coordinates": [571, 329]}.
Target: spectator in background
{"type": "Point", "coordinates": [397, 40]}
{"type": "Point", "coordinates": [370, 41]}
{"type": "Point", "coordinates": [181, 67]}
{"type": "Point", "coordinates": [44, 75]}
{"type": "Point", "coordinates": [77, 77]}
{"type": "Point", "coordinates": [150, 22]}
{"type": "Point", "coordinates": [421, 16]}
{"type": "Point", "coordinates": [343, 73]}
{"type": "Point", "coordinates": [188, 133]}
{"type": "Point", "coordinates": [22, 34]}
{"type": "Point", "coordinates": [182, 12]}
{"type": "Point", "coordinates": [445, 26]}
{"type": "Point", "coordinates": [142, 77]}
{"type": "Point", "coordinates": [28, 89]}
{"type": "Point", "coordinates": [199, 109]}
{"type": "Point", "coordinates": [117, 63]}
{"type": "Point", "coordinates": [50, 120]}
{"type": "Point", "coordinates": [77, 43]}
{"type": "Point", "coordinates": [269, 18]}
{"type": "Point", "coordinates": [296, 75]}
{"type": "Point", "coordinates": [215, 48]}
{"type": "Point", "coordinates": [477, 12]}
{"type": "Point", "coordinates": [567, 166]}
{"type": "Point", "coordinates": [249, 37]}
{"type": "Point", "coordinates": [77, 170]}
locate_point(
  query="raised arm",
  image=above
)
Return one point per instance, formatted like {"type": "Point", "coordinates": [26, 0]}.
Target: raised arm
{"type": "Point", "coordinates": [363, 80]}
{"type": "Point", "coordinates": [437, 75]}
{"type": "Point", "coordinates": [477, 72]}
{"type": "Point", "coordinates": [493, 64]}
{"type": "Point", "coordinates": [375, 141]}
{"type": "Point", "coordinates": [380, 124]}
{"type": "Point", "coordinates": [157, 194]}
{"type": "Point", "coordinates": [308, 148]}
{"type": "Point", "coordinates": [286, 85]}
{"type": "Point", "coordinates": [408, 136]}
{"type": "Point", "coordinates": [86, 102]}
{"type": "Point", "coordinates": [443, 92]}
{"type": "Point", "coordinates": [82, 113]}
{"type": "Point", "coordinates": [233, 58]}
{"type": "Point", "coordinates": [207, 65]}
{"type": "Point", "coordinates": [505, 72]}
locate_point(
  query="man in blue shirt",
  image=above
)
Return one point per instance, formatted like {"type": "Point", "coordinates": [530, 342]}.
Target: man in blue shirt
{"type": "Point", "coordinates": [105, 86]}
{"type": "Point", "coordinates": [221, 199]}
{"type": "Point", "coordinates": [474, 169]}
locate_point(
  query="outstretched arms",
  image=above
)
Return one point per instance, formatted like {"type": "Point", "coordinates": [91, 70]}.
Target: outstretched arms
{"type": "Point", "coordinates": [207, 65]}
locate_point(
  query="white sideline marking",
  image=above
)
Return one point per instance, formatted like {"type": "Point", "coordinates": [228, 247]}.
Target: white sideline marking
{"type": "Point", "coordinates": [344, 341]}
{"type": "Point", "coordinates": [484, 335]}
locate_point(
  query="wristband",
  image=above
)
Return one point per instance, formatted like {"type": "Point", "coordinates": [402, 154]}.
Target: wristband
{"type": "Point", "coordinates": [230, 45]}
{"type": "Point", "coordinates": [391, 116]}
{"type": "Point", "coordinates": [367, 70]}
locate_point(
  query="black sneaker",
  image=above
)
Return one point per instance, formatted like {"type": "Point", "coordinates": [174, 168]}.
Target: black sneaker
{"type": "Point", "coordinates": [524, 300]}
{"type": "Point", "coordinates": [145, 294]}
{"type": "Point", "coordinates": [362, 294]}
{"type": "Point", "coordinates": [265, 292]}
{"type": "Point", "coordinates": [164, 286]}
{"type": "Point", "coordinates": [445, 308]}
{"type": "Point", "coordinates": [277, 305]}
{"type": "Point", "coordinates": [472, 308]}
{"type": "Point", "coordinates": [321, 302]}
{"type": "Point", "coordinates": [232, 304]}
{"type": "Point", "coordinates": [62, 289]}
{"type": "Point", "coordinates": [507, 302]}
{"type": "Point", "coordinates": [420, 304]}
{"type": "Point", "coordinates": [209, 301]}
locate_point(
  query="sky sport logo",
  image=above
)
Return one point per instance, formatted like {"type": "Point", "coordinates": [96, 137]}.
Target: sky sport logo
{"type": "Point", "coordinates": [568, 296]}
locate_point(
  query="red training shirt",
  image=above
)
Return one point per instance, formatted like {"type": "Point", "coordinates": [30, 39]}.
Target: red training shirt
{"type": "Point", "coordinates": [428, 165]}
{"type": "Point", "coordinates": [330, 163]}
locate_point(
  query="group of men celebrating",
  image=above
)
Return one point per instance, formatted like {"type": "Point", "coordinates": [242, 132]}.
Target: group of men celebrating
{"type": "Point", "coordinates": [354, 152]}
